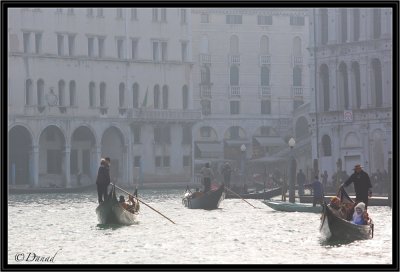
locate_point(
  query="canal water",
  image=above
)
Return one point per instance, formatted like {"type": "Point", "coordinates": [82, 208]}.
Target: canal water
{"type": "Point", "coordinates": [64, 226]}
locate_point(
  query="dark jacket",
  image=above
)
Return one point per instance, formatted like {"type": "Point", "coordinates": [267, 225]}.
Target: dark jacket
{"type": "Point", "coordinates": [103, 176]}
{"type": "Point", "coordinates": [301, 178]}
{"type": "Point", "coordinates": [318, 188]}
{"type": "Point", "coordinates": [361, 182]}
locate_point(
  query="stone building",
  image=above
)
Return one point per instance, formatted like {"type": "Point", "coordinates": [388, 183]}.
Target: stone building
{"type": "Point", "coordinates": [352, 108]}
{"type": "Point", "coordinates": [86, 83]}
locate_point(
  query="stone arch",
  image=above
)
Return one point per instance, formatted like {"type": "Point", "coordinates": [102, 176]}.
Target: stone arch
{"type": "Point", "coordinates": [113, 146]}
{"type": "Point", "coordinates": [326, 146]}
{"type": "Point", "coordinates": [351, 140]}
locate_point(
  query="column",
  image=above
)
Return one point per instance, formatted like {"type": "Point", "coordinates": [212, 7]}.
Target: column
{"type": "Point", "coordinates": [333, 88]}
{"type": "Point", "coordinates": [332, 25]}
{"type": "Point", "coordinates": [363, 25]}
{"type": "Point", "coordinates": [350, 23]}
{"type": "Point", "coordinates": [350, 85]}
{"type": "Point", "coordinates": [35, 166]}
{"type": "Point", "coordinates": [125, 165]}
{"type": "Point", "coordinates": [67, 167]}
{"type": "Point", "coordinates": [387, 80]}
{"type": "Point", "coordinates": [364, 82]}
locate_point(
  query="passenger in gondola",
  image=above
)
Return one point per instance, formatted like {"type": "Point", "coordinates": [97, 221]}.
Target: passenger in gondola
{"type": "Point", "coordinates": [103, 179]}
{"type": "Point", "coordinates": [318, 190]}
{"type": "Point", "coordinates": [122, 202]}
{"type": "Point", "coordinates": [207, 174]}
{"type": "Point", "coordinates": [358, 215]}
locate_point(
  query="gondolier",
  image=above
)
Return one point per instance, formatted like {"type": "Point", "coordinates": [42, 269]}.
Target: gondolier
{"type": "Point", "coordinates": [103, 179]}
{"type": "Point", "coordinates": [207, 174]}
{"type": "Point", "coordinates": [362, 184]}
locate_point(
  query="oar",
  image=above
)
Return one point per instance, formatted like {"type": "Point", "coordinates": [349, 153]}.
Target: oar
{"type": "Point", "coordinates": [141, 201]}
{"type": "Point", "coordinates": [240, 197]}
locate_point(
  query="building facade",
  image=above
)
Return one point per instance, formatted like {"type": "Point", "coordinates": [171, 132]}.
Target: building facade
{"type": "Point", "coordinates": [86, 83]}
{"type": "Point", "coordinates": [352, 108]}
{"type": "Point", "coordinates": [251, 74]}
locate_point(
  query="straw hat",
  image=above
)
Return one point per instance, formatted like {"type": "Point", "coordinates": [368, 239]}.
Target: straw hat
{"type": "Point", "coordinates": [357, 166]}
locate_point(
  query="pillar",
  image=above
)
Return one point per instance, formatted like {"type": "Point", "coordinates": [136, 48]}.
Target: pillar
{"type": "Point", "coordinates": [67, 166]}
{"type": "Point", "coordinates": [35, 165]}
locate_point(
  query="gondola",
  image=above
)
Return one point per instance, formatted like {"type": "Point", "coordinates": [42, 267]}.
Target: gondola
{"type": "Point", "coordinates": [111, 212]}
{"type": "Point", "coordinates": [292, 207]}
{"type": "Point", "coordinates": [333, 227]}
{"type": "Point", "coordinates": [201, 200]}
{"type": "Point", "coordinates": [256, 195]}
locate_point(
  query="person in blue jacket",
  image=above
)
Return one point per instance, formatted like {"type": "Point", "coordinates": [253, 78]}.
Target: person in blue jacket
{"type": "Point", "coordinates": [318, 190]}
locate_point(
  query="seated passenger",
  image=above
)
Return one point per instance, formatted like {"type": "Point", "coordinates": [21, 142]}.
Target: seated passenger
{"type": "Point", "coordinates": [122, 202]}
{"type": "Point", "coordinates": [358, 217]}
{"type": "Point", "coordinates": [335, 202]}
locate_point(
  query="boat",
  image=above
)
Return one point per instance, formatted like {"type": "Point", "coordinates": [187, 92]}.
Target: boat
{"type": "Point", "coordinates": [201, 200]}
{"type": "Point", "coordinates": [334, 227]}
{"type": "Point", "coordinates": [256, 195]}
{"type": "Point", "coordinates": [292, 207]}
{"type": "Point", "coordinates": [373, 201]}
{"type": "Point", "coordinates": [50, 190]}
{"type": "Point", "coordinates": [111, 211]}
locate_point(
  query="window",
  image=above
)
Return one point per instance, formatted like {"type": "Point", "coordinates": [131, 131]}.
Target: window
{"type": "Point", "coordinates": [266, 107]}
{"type": "Point", "coordinates": [134, 48]}
{"type": "Point", "coordinates": [163, 15]}
{"type": "Point", "coordinates": [136, 134]}
{"type": "Point", "coordinates": [156, 97]}
{"type": "Point", "coordinates": [206, 107]}
{"type": "Point", "coordinates": [343, 25]}
{"type": "Point", "coordinates": [183, 16]}
{"type": "Point", "coordinates": [205, 132]}
{"type": "Point", "coordinates": [166, 161]}
{"type": "Point", "coordinates": [72, 93]}
{"type": "Point", "coordinates": [165, 97]}
{"type": "Point", "coordinates": [356, 24]}
{"type": "Point", "coordinates": [119, 13]}
{"type": "Point", "coordinates": [100, 12]}
{"type": "Point", "coordinates": [186, 135]}
{"type": "Point", "coordinates": [136, 161]}
{"type": "Point", "coordinates": [235, 107]}
{"type": "Point", "coordinates": [155, 15]}
{"type": "Point", "coordinates": [186, 161]}
{"type": "Point", "coordinates": [100, 41]}
{"type": "Point", "coordinates": [89, 12]}
{"type": "Point", "coordinates": [233, 19]}
{"type": "Point", "coordinates": [61, 93]}
{"type": "Point", "coordinates": [121, 95]}
{"type": "Point", "coordinates": [264, 20]}
{"type": "Point", "coordinates": [326, 146]}
{"type": "Point", "coordinates": [185, 97]}
{"type": "Point", "coordinates": [90, 46]}
{"type": "Point", "coordinates": [54, 158]}
{"type": "Point", "coordinates": [134, 14]}
{"type": "Point", "coordinates": [120, 48]}
{"type": "Point", "coordinates": [135, 95]}
{"type": "Point", "coordinates": [26, 37]}
{"type": "Point", "coordinates": [264, 76]}
{"type": "Point", "coordinates": [184, 51]}
{"type": "Point", "coordinates": [40, 92]}
{"type": "Point", "coordinates": [92, 95]}
{"type": "Point", "coordinates": [158, 161]}
{"type": "Point", "coordinates": [28, 92]}
{"type": "Point", "coordinates": [163, 51]}
{"type": "Point", "coordinates": [234, 76]}
{"type": "Point", "coordinates": [157, 135]}
{"type": "Point", "coordinates": [205, 75]}
{"type": "Point", "coordinates": [156, 55]}
{"type": "Point", "coordinates": [102, 94]}
{"type": "Point", "coordinates": [264, 45]}
{"type": "Point", "coordinates": [297, 20]}
{"type": "Point", "coordinates": [324, 26]}
{"type": "Point", "coordinates": [71, 45]}
{"type": "Point", "coordinates": [204, 18]}
{"type": "Point", "coordinates": [166, 135]}
{"type": "Point", "coordinates": [297, 76]}
{"type": "Point", "coordinates": [38, 43]}
{"type": "Point", "coordinates": [234, 133]}
{"type": "Point", "coordinates": [60, 44]}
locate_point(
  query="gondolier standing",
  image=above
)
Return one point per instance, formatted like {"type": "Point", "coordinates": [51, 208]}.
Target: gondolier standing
{"type": "Point", "coordinates": [207, 174]}
{"type": "Point", "coordinates": [103, 179]}
{"type": "Point", "coordinates": [362, 184]}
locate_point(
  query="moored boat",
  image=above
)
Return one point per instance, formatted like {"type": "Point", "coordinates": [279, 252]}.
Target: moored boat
{"type": "Point", "coordinates": [333, 226]}
{"type": "Point", "coordinates": [292, 207]}
{"type": "Point", "coordinates": [206, 201]}
{"type": "Point", "coordinates": [256, 195]}
{"type": "Point", "coordinates": [111, 211]}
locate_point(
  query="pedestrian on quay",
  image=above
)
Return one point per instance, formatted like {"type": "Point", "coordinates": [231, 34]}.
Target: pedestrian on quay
{"type": "Point", "coordinates": [324, 178]}
{"type": "Point", "coordinates": [226, 172]}
{"type": "Point", "coordinates": [318, 190]}
{"type": "Point", "coordinates": [103, 179]}
{"type": "Point", "coordinates": [362, 184]}
{"type": "Point", "coordinates": [301, 179]}
{"type": "Point", "coordinates": [207, 174]}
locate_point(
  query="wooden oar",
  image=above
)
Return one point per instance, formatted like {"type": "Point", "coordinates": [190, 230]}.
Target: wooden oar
{"type": "Point", "coordinates": [240, 197]}
{"type": "Point", "coordinates": [141, 201]}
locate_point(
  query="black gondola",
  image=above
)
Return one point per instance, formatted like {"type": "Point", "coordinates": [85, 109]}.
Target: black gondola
{"type": "Point", "coordinates": [111, 212]}
{"type": "Point", "coordinates": [256, 195]}
{"type": "Point", "coordinates": [335, 227]}
{"type": "Point", "coordinates": [206, 201]}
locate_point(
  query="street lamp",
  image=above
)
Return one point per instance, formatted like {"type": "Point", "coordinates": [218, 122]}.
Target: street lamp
{"type": "Point", "coordinates": [243, 157]}
{"type": "Point", "coordinates": [292, 171]}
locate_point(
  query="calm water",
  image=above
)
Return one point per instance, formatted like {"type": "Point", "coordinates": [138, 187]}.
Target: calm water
{"type": "Point", "coordinates": [235, 233]}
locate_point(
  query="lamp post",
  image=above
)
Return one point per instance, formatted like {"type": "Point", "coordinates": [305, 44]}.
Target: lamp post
{"type": "Point", "coordinates": [243, 157]}
{"type": "Point", "coordinates": [292, 171]}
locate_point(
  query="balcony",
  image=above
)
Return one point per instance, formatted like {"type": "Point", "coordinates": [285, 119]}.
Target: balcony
{"type": "Point", "coordinates": [205, 58]}
{"type": "Point", "coordinates": [297, 60]}
{"type": "Point", "coordinates": [234, 59]}
{"type": "Point", "coordinates": [205, 91]}
{"type": "Point", "coordinates": [265, 60]}
{"type": "Point", "coordinates": [265, 91]}
{"type": "Point", "coordinates": [234, 91]}
{"type": "Point", "coordinates": [297, 90]}
{"type": "Point", "coordinates": [172, 115]}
